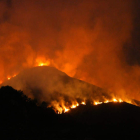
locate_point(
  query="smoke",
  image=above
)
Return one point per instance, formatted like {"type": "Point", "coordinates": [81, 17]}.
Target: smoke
{"type": "Point", "coordinates": [95, 41]}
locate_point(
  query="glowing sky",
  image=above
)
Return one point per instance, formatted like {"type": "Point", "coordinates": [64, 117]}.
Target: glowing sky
{"type": "Point", "coordinates": [96, 41]}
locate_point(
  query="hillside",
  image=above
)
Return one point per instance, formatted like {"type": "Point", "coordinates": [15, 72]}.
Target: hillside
{"type": "Point", "coordinates": [51, 85]}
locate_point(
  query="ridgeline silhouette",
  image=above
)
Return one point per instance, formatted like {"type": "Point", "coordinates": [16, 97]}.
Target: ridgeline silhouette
{"type": "Point", "coordinates": [22, 118]}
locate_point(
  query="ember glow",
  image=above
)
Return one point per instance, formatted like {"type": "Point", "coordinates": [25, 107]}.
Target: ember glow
{"type": "Point", "coordinates": [83, 103]}
{"type": "Point", "coordinates": [96, 103]}
{"type": "Point", "coordinates": [9, 77]}
{"type": "Point", "coordinates": [106, 101]}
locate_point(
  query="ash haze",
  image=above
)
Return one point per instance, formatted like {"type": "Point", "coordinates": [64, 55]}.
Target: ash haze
{"type": "Point", "coordinates": [95, 41]}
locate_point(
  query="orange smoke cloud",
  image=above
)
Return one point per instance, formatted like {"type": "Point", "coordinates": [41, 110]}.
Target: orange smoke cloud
{"type": "Point", "coordinates": [84, 39]}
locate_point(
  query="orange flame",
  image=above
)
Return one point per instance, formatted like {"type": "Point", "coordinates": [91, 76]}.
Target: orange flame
{"type": "Point", "coordinates": [41, 61]}
{"type": "Point", "coordinates": [9, 78]}
{"type": "Point", "coordinates": [115, 100]}
{"type": "Point", "coordinates": [66, 110]}
{"type": "Point", "coordinates": [83, 103]}
{"type": "Point", "coordinates": [106, 101]}
{"type": "Point", "coordinates": [96, 103]}
{"type": "Point", "coordinates": [74, 105]}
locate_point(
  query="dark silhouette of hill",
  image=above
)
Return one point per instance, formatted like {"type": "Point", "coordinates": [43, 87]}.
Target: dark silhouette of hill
{"type": "Point", "coordinates": [22, 119]}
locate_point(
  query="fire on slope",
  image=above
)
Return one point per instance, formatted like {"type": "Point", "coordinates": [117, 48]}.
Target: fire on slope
{"type": "Point", "coordinates": [63, 108]}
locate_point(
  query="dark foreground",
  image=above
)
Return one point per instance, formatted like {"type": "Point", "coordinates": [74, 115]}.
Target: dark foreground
{"type": "Point", "coordinates": [22, 119]}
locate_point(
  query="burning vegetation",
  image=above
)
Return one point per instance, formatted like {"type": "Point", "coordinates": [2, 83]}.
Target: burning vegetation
{"type": "Point", "coordinates": [61, 108]}
{"type": "Point", "coordinates": [94, 41]}
{"type": "Point", "coordinates": [60, 91]}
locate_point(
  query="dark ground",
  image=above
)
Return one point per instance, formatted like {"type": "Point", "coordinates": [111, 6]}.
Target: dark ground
{"type": "Point", "coordinates": [22, 119]}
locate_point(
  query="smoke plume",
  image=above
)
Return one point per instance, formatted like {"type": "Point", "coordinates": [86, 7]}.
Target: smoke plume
{"type": "Point", "coordinates": [95, 41]}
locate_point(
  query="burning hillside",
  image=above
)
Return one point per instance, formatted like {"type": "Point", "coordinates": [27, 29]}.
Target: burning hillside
{"type": "Point", "coordinates": [58, 89]}
{"type": "Point", "coordinates": [94, 41]}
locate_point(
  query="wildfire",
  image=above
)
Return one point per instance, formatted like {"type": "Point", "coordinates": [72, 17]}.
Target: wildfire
{"type": "Point", "coordinates": [96, 103]}
{"type": "Point", "coordinates": [115, 100]}
{"type": "Point", "coordinates": [83, 103]}
{"type": "Point", "coordinates": [66, 109]}
{"type": "Point", "coordinates": [8, 78]}
{"type": "Point", "coordinates": [41, 61]}
{"type": "Point", "coordinates": [44, 64]}
{"type": "Point", "coordinates": [120, 100]}
{"type": "Point", "coordinates": [62, 108]}
{"type": "Point", "coordinates": [106, 101]}
{"type": "Point", "coordinates": [74, 105]}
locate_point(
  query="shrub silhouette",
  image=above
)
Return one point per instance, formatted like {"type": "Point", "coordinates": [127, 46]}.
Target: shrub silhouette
{"type": "Point", "coordinates": [20, 117]}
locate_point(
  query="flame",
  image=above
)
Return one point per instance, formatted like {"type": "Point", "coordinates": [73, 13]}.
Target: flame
{"type": "Point", "coordinates": [66, 109]}
{"type": "Point", "coordinates": [83, 103]}
{"type": "Point", "coordinates": [120, 100]}
{"type": "Point", "coordinates": [61, 108]}
{"type": "Point", "coordinates": [115, 100]}
{"type": "Point", "coordinates": [106, 101]}
{"type": "Point", "coordinates": [41, 61]}
{"type": "Point", "coordinates": [96, 103]}
{"type": "Point", "coordinates": [74, 105]}
{"type": "Point", "coordinates": [47, 63]}
{"type": "Point", "coordinates": [8, 78]}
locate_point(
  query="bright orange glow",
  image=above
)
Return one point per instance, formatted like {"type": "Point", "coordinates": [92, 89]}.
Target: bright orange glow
{"type": "Point", "coordinates": [15, 75]}
{"type": "Point", "coordinates": [96, 103]}
{"type": "Point", "coordinates": [115, 100]}
{"type": "Point", "coordinates": [8, 78]}
{"type": "Point", "coordinates": [1, 82]}
{"type": "Point", "coordinates": [83, 103]}
{"type": "Point", "coordinates": [41, 61]}
{"type": "Point", "coordinates": [44, 64]}
{"type": "Point", "coordinates": [77, 104]}
{"type": "Point", "coordinates": [66, 109]}
{"type": "Point", "coordinates": [120, 100]}
{"type": "Point", "coordinates": [106, 101]}
{"type": "Point", "coordinates": [73, 106]}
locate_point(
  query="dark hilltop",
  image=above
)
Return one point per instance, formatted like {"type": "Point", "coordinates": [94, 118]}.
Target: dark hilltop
{"type": "Point", "coordinates": [23, 119]}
